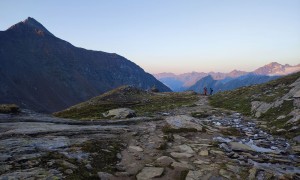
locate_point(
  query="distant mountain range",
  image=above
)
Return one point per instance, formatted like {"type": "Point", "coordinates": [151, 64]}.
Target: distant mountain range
{"type": "Point", "coordinates": [186, 81]}
{"type": "Point", "coordinates": [42, 72]}
{"type": "Point", "coordinates": [230, 83]}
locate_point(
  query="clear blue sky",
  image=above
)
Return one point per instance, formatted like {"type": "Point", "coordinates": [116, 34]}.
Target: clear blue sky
{"type": "Point", "coordinates": [173, 35]}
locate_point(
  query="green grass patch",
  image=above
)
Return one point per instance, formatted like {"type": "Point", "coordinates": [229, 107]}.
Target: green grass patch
{"type": "Point", "coordinates": [9, 108]}
{"type": "Point", "coordinates": [240, 99]}
{"type": "Point", "coordinates": [167, 129]}
{"type": "Point", "coordinates": [103, 153]}
{"type": "Point", "coordinates": [144, 103]}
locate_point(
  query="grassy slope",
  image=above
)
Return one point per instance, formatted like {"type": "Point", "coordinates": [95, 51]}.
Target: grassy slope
{"type": "Point", "coordinates": [144, 103]}
{"type": "Point", "coordinates": [240, 100]}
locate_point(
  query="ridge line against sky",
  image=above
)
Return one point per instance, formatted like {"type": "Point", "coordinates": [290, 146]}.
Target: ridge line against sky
{"type": "Point", "coordinates": [173, 36]}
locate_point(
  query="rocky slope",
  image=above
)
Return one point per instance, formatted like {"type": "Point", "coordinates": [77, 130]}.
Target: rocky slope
{"type": "Point", "coordinates": [42, 72]}
{"type": "Point", "coordinates": [275, 104]}
{"type": "Point", "coordinates": [184, 142]}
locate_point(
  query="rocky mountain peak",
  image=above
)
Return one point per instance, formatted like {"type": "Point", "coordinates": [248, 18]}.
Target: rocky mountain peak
{"type": "Point", "coordinates": [30, 25]}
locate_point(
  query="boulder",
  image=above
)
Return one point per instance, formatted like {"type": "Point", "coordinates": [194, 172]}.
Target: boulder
{"type": "Point", "coordinates": [185, 149]}
{"type": "Point", "coordinates": [258, 107]}
{"type": "Point", "coordinates": [148, 173]}
{"type": "Point", "coordinates": [183, 123]}
{"type": "Point", "coordinates": [236, 146]}
{"type": "Point", "coordinates": [120, 113]}
{"type": "Point", "coordinates": [164, 161]}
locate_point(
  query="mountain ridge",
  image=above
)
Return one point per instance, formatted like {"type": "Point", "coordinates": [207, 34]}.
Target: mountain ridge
{"type": "Point", "coordinates": [45, 73]}
{"type": "Point", "coordinates": [189, 79]}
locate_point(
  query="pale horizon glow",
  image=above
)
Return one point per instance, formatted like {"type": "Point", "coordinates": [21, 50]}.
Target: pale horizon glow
{"type": "Point", "coordinates": [172, 35]}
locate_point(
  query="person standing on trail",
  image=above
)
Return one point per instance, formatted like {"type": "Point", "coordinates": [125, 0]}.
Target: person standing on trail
{"type": "Point", "coordinates": [211, 91]}
{"type": "Point", "coordinates": [205, 91]}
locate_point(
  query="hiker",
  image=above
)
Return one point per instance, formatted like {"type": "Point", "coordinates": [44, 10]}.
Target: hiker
{"type": "Point", "coordinates": [211, 91]}
{"type": "Point", "coordinates": [205, 91]}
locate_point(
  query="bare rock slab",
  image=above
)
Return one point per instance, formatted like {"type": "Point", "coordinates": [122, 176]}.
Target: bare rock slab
{"type": "Point", "coordinates": [148, 173]}
{"type": "Point", "coordinates": [183, 123]}
{"type": "Point", "coordinates": [120, 113]}
{"type": "Point", "coordinates": [194, 175]}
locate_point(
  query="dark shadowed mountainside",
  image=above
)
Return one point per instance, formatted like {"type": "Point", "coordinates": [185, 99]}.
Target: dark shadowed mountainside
{"type": "Point", "coordinates": [42, 72]}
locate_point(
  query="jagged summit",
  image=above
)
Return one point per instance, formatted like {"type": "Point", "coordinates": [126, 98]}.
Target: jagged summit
{"type": "Point", "coordinates": [30, 25]}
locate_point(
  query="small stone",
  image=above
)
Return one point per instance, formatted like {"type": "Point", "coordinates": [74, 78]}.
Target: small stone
{"type": "Point", "coordinates": [68, 165]}
{"type": "Point", "coordinates": [69, 171]}
{"type": "Point", "coordinates": [232, 168]}
{"type": "Point", "coordinates": [281, 117]}
{"type": "Point", "coordinates": [225, 147]}
{"type": "Point", "coordinates": [200, 162]}
{"type": "Point", "coordinates": [88, 167]}
{"type": "Point", "coordinates": [104, 176]}
{"type": "Point", "coordinates": [281, 130]}
{"type": "Point", "coordinates": [122, 174]}
{"type": "Point", "coordinates": [50, 163]}
{"type": "Point", "coordinates": [185, 149]}
{"type": "Point", "coordinates": [182, 166]}
{"type": "Point", "coordinates": [203, 153]}
{"type": "Point", "coordinates": [164, 161]}
{"type": "Point", "coordinates": [148, 173]}
{"type": "Point", "coordinates": [119, 155]}
{"type": "Point", "coordinates": [252, 173]}
{"type": "Point", "coordinates": [135, 148]}
{"type": "Point", "coordinates": [181, 155]}
{"type": "Point", "coordinates": [225, 173]}
{"type": "Point", "coordinates": [120, 113]}
{"type": "Point", "coordinates": [216, 152]}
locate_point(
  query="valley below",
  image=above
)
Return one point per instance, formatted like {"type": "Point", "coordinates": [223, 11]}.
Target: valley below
{"type": "Point", "coordinates": [188, 142]}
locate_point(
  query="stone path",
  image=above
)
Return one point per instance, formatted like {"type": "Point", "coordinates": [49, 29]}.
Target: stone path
{"type": "Point", "coordinates": [214, 144]}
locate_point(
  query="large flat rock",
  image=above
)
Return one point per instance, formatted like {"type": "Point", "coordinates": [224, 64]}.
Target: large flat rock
{"type": "Point", "coordinates": [149, 173]}
{"type": "Point", "coordinates": [183, 122]}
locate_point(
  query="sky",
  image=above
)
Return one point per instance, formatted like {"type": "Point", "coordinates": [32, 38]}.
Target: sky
{"type": "Point", "coordinates": [173, 35]}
